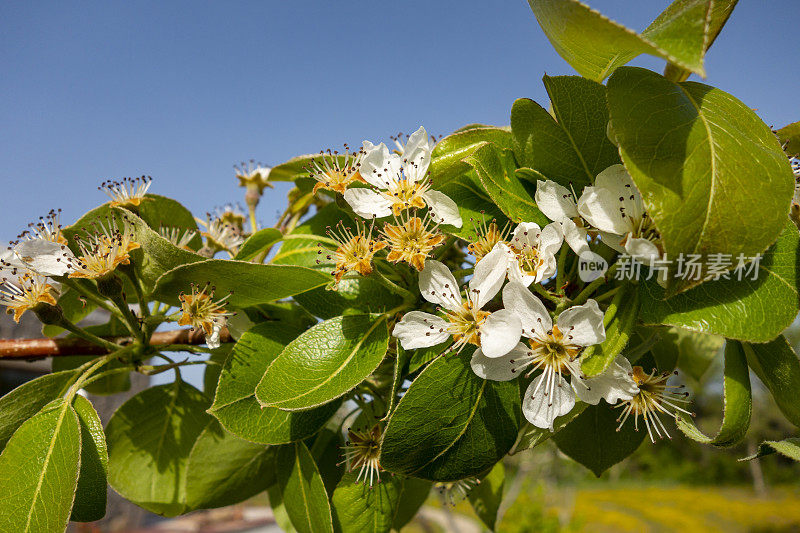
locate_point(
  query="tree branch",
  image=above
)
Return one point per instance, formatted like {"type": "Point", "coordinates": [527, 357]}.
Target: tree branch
{"type": "Point", "coordinates": [16, 349]}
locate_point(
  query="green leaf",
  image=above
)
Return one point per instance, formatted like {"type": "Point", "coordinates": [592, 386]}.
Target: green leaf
{"type": "Point", "coordinates": [279, 509]}
{"type": "Point", "coordinates": [223, 469]}
{"type": "Point", "coordinates": [580, 107]}
{"type": "Point", "coordinates": [595, 45]}
{"type": "Point", "coordinates": [487, 496]}
{"type": "Point", "coordinates": [738, 403]}
{"type": "Point", "coordinates": [413, 494]}
{"type": "Point", "coordinates": [303, 492]}
{"type": "Point", "coordinates": [451, 424]}
{"type": "Point", "coordinates": [325, 362]}
{"type": "Point", "coordinates": [302, 246]}
{"type": "Point", "coordinates": [90, 496]}
{"type": "Point", "coordinates": [212, 371]}
{"type": "Point", "coordinates": [788, 448]}
{"type": "Point", "coordinates": [496, 172]}
{"type": "Point", "coordinates": [544, 145]}
{"type": "Point", "coordinates": [531, 436]}
{"type": "Point", "coordinates": [692, 352]}
{"type": "Point", "coordinates": [592, 439]}
{"type": "Point", "coordinates": [149, 440]}
{"type": "Point", "coordinates": [39, 469]}
{"type": "Point", "coordinates": [789, 137]}
{"type": "Point", "coordinates": [352, 296]}
{"type": "Point", "coordinates": [619, 320]}
{"type": "Point", "coordinates": [235, 404]}
{"type": "Point", "coordinates": [422, 356]}
{"type": "Point", "coordinates": [749, 310]}
{"type": "Point", "coordinates": [251, 284]}
{"type": "Point", "coordinates": [257, 243]}
{"type": "Point", "coordinates": [296, 167]}
{"type": "Point", "coordinates": [474, 206]}
{"type": "Point", "coordinates": [447, 158]}
{"type": "Point", "coordinates": [327, 453]}
{"type": "Point", "coordinates": [777, 366]}
{"type": "Point", "coordinates": [359, 508]}
{"type": "Point", "coordinates": [111, 384]}
{"type": "Point", "coordinates": [692, 151]}
{"type": "Point", "coordinates": [717, 17]}
{"type": "Point", "coordinates": [287, 312]}
{"type": "Point", "coordinates": [162, 212]}
{"type": "Point", "coordinates": [28, 399]}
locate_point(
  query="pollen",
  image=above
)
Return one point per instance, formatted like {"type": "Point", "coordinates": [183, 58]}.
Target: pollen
{"type": "Point", "coordinates": [201, 311]}
{"type": "Point", "coordinates": [127, 191]}
{"type": "Point", "coordinates": [362, 453]}
{"type": "Point", "coordinates": [102, 250]}
{"type": "Point", "coordinates": [486, 237]}
{"type": "Point", "coordinates": [411, 239]}
{"type": "Point", "coordinates": [406, 194]}
{"type": "Point", "coordinates": [28, 291]}
{"type": "Point", "coordinates": [48, 228]}
{"type": "Point", "coordinates": [355, 250]}
{"type": "Point", "coordinates": [335, 171]}
{"type": "Point", "coordinates": [465, 325]}
{"type": "Point", "coordinates": [654, 397]}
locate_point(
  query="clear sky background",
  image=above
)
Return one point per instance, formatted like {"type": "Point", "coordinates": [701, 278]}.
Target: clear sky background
{"type": "Point", "coordinates": [183, 90]}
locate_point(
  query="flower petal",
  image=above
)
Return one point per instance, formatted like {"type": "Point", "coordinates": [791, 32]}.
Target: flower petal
{"type": "Point", "coordinates": [499, 333]}
{"type": "Point", "coordinates": [555, 201]}
{"type": "Point", "coordinates": [543, 408]}
{"type": "Point", "coordinates": [438, 286]}
{"type": "Point", "coordinates": [601, 208]}
{"type": "Point", "coordinates": [443, 208]}
{"type": "Point", "coordinates": [614, 384]}
{"type": "Point", "coordinates": [619, 183]}
{"type": "Point", "coordinates": [48, 258]}
{"type": "Point", "coordinates": [420, 330]}
{"type": "Point", "coordinates": [575, 236]}
{"type": "Point", "coordinates": [379, 167]}
{"type": "Point", "coordinates": [367, 203]}
{"type": "Point", "coordinates": [497, 368]}
{"type": "Point", "coordinates": [526, 234]}
{"type": "Point", "coordinates": [642, 250]}
{"type": "Point", "coordinates": [532, 314]}
{"type": "Point", "coordinates": [489, 275]}
{"type": "Point", "coordinates": [582, 325]}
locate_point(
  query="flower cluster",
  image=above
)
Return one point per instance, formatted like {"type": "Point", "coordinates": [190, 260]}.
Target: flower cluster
{"type": "Point", "coordinates": [379, 184]}
{"type": "Point", "coordinates": [513, 332]}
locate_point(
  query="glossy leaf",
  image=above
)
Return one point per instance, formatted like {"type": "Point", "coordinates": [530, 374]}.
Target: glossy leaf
{"type": "Point", "coordinates": [358, 508]}
{"type": "Point", "coordinates": [474, 205]}
{"type": "Point", "coordinates": [487, 496]}
{"type": "Point", "coordinates": [592, 439]}
{"type": "Point", "coordinates": [327, 453]}
{"type": "Point", "coordinates": [750, 310]}
{"type": "Point", "coordinates": [90, 496]}
{"type": "Point", "coordinates": [789, 137]}
{"type": "Point", "coordinates": [788, 448]}
{"type": "Point", "coordinates": [39, 471]}
{"type": "Point", "coordinates": [149, 440]}
{"type": "Point", "coordinates": [717, 17]}
{"type": "Point", "coordinates": [303, 492]}
{"type": "Point", "coordinates": [302, 246]}
{"type": "Point", "coordinates": [251, 284]}
{"type": "Point", "coordinates": [544, 145]}
{"type": "Point", "coordinates": [325, 362]}
{"type": "Point", "coordinates": [693, 152]}
{"type": "Point", "coordinates": [690, 351]}
{"type": "Point", "coordinates": [352, 296]}
{"type": "Point", "coordinates": [580, 108]}
{"type": "Point", "coordinates": [496, 172]}
{"type": "Point", "coordinates": [447, 158]}
{"type": "Point", "coordinates": [235, 404]}
{"type": "Point", "coordinates": [28, 399]}
{"type": "Point", "coordinates": [619, 321]}
{"type": "Point", "coordinates": [224, 469]}
{"type": "Point", "coordinates": [451, 424]}
{"type": "Point", "coordinates": [413, 494]}
{"type": "Point", "coordinates": [162, 212]}
{"type": "Point", "coordinates": [738, 402]}
{"type": "Point", "coordinates": [776, 365]}
{"type": "Point", "coordinates": [257, 243]}
{"type": "Point", "coordinates": [595, 45]}
{"type": "Point", "coordinates": [279, 510]}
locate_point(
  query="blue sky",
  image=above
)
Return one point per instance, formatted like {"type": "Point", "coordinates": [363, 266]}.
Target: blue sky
{"type": "Point", "coordinates": [183, 90]}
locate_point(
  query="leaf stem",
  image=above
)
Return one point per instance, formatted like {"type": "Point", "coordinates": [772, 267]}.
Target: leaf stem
{"type": "Point", "coordinates": [85, 335]}
{"type": "Point", "coordinates": [590, 288]}
{"type": "Point", "coordinates": [560, 274]}
{"type": "Point", "coordinates": [546, 294]}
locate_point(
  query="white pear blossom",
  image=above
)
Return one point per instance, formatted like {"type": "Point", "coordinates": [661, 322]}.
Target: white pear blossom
{"type": "Point", "coordinates": [559, 205]}
{"type": "Point", "coordinates": [400, 182]}
{"type": "Point", "coordinates": [532, 252]}
{"type": "Point", "coordinates": [614, 206]}
{"type": "Point", "coordinates": [465, 320]}
{"type": "Point", "coordinates": [555, 350]}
